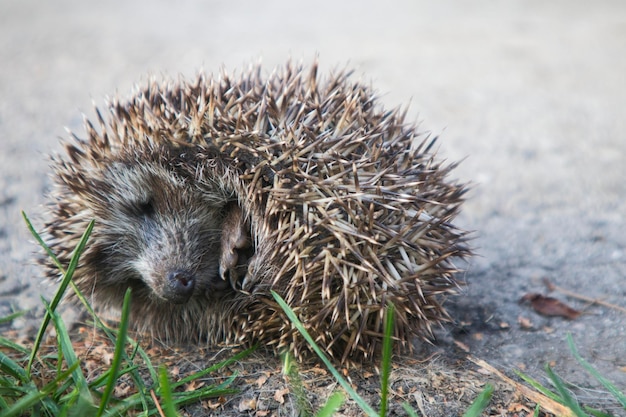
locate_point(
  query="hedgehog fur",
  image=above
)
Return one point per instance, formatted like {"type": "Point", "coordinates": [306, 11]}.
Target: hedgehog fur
{"type": "Point", "coordinates": [209, 194]}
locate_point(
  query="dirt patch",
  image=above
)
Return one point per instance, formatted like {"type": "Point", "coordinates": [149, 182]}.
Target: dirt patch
{"type": "Point", "coordinates": [434, 386]}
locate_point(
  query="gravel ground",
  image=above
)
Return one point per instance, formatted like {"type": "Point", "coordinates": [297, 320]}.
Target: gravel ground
{"type": "Point", "coordinates": [532, 94]}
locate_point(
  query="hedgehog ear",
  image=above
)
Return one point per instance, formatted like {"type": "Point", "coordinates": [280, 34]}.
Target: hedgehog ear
{"type": "Point", "coordinates": [236, 246]}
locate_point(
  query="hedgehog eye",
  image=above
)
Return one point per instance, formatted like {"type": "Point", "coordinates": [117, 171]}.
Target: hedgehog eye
{"type": "Point", "coordinates": [144, 208]}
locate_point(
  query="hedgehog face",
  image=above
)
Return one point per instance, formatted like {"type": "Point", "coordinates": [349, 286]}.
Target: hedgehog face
{"type": "Point", "coordinates": [157, 230]}
{"type": "Point", "coordinates": [170, 236]}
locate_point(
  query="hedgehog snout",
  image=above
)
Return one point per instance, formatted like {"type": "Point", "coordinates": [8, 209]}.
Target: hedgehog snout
{"type": "Point", "coordinates": [179, 286]}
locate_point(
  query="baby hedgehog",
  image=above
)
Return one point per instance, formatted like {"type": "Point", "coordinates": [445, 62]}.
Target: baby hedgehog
{"type": "Point", "coordinates": [209, 194]}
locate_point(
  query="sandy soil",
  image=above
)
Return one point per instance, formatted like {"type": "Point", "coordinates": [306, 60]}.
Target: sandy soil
{"type": "Point", "coordinates": [532, 94]}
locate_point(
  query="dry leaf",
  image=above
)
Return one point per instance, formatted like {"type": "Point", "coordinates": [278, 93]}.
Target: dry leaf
{"type": "Point", "coordinates": [517, 407]}
{"type": "Point", "coordinates": [549, 306]}
{"type": "Point", "coordinates": [261, 380]}
{"type": "Point", "coordinates": [213, 405]}
{"type": "Point", "coordinates": [194, 385]}
{"type": "Point", "coordinates": [279, 395]}
{"type": "Point", "coordinates": [524, 323]}
{"type": "Point", "coordinates": [247, 404]}
{"type": "Point", "coordinates": [319, 371]}
{"type": "Point", "coordinates": [122, 390]}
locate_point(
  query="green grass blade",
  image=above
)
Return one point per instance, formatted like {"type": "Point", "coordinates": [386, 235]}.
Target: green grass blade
{"type": "Point", "coordinates": [215, 367]}
{"type": "Point", "coordinates": [13, 346]}
{"type": "Point", "coordinates": [294, 381]}
{"type": "Point", "coordinates": [137, 379]}
{"type": "Point", "coordinates": [566, 398]}
{"type": "Point", "coordinates": [597, 413]}
{"type": "Point", "coordinates": [409, 410]}
{"type": "Point", "coordinates": [117, 354]}
{"type": "Point", "coordinates": [76, 404]}
{"type": "Point", "coordinates": [43, 244]}
{"type": "Point", "coordinates": [607, 384]}
{"type": "Point", "coordinates": [166, 394]}
{"type": "Point", "coordinates": [10, 367]}
{"type": "Point", "coordinates": [184, 398]}
{"type": "Point", "coordinates": [80, 382]}
{"type": "Point", "coordinates": [332, 405]}
{"type": "Point", "coordinates": [386, 360]}
{"type": "Point", "coordinates": [11, 317]}
{"type": "Point", "coordinates": [537, 385]}
{"type": "Point", "coordinates": [67, 277]}
{"type": "Point", "coordinates": [138, 400]}
{"type": "Point", "coordinates": [24, 404]}
{"type": "Point", "coordinates": [480, 403]}
{"type": "Point", "coordinates": [346, 386]}
{"type": "Point", "coordinates": [3, 404]}
{"type": "Point", "coordinates": [179, 398]}
{"type": "Point", "coordinates": [103, 379]}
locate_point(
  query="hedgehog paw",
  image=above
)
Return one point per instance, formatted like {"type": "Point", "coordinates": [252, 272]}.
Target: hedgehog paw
{"type": "Point", "coordinates": [236, 247]}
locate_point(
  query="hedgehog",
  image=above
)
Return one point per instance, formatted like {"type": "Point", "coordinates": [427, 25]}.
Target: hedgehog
{"type": "Point", "coordinates": [209, 194]}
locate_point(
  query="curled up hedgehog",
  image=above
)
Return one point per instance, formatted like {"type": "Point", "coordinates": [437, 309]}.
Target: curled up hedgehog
{"type": "Point", "coordinates": [209, 194]}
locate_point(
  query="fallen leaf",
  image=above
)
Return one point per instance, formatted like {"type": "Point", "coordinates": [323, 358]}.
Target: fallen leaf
{"type": "Point", "coordinates": [517, 407]}
{"type": "Point", "coordinates": [525, 323]}
{"type": "Point", "coordinates": [212, 405]}
{"type": "Point", "coordinates": [279, 395]}
{"type": "Point", "coordinates": [247, 404]}
{"type": "Point", "coordinates": [549, 306]}
{"type": "Point", "coordinates": [261, 380]}
{"type": "Point", "coordinates": [194, 385]}
{"type": "Point", "coordinates": [319, 371]}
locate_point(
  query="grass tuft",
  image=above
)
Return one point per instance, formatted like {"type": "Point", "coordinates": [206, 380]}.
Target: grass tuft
{"type": "Point", "coordinates": [32, 383]}
{"type": "Point", "coordinates": [363, 405]}
{"type": "Point", "coordinates": [37, 383]}
{"type": "Point", "coordinates": [475, 409]}
{"type": "Point", "coordinates": [564, 396]}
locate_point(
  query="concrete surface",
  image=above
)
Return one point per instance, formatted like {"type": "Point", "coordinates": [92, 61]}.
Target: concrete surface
{"type": "Point", "coordinates": [533, 94]}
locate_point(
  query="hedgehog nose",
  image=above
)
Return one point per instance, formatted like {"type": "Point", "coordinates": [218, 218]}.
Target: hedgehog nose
{"type": "Point", "coordinates": [180, 286]}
